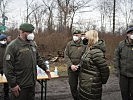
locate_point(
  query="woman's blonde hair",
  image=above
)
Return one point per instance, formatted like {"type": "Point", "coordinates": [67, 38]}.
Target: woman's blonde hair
{"type": "Point", "coordinates": [92, 37]}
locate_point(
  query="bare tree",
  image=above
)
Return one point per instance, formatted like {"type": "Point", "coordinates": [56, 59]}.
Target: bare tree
{"type": "Point", "coordinates": [126, 9]}
{"type": "Point", "coordinates": [29, 10]}
{"type": "Point", "coordinates": [67, 10]}
{"type": "Point", "coordinates": [64, 6]}
{"type": "Point", "coordinates": [75, 7]}
{"type": "Point", "coordinates": [3, 5]}
{"type": "Point", "coordinates": [102, 8]}
{"type": "Point", "coordinates": [50, 6]}
{"type": "Point", "coordinates": [37, 16]}
{"type": "Point", "coordinates": [109, 11]}
{"type": "Point", "coordinates": [3, 11]}
{"type": "Point", "coordinates": [106, 9]}
{"type": "Point", "coordinates": [87, 24]}
{"type": "Point", "coordinates": [114, 11]}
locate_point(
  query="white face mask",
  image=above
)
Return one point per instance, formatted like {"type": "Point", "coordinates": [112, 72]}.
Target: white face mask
{"type": "Point", "coordinates": [3, 42]}
{"type": "Point", "coordinates": [131, 37]}
{"type": "Point", "coordinates": [75, 38]}
{"type": "Point", "coordinates": [30, 37]}
{"type": "Point", "coordinates": [82, 37]}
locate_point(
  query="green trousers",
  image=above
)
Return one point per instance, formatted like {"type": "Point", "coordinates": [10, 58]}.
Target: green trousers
{"type": "Point", "coordinates": [73, 82]}
{"type": "Point", "coordinates": [25, 94]}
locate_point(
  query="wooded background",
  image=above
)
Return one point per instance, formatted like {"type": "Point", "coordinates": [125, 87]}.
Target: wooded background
{"type": "Point", "coordinates": [55, 20]}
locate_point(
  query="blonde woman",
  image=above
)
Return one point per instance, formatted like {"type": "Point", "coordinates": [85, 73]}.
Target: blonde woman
{"type": "Point", "coordinates": [94, 70]}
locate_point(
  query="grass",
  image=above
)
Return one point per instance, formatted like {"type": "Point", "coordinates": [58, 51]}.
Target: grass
{"type": "Point", "coordinates": [62, 68]}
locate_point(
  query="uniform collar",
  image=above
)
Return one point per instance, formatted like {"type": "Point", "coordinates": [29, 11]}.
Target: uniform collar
{"type": "Point", "coordinates": [73, 43]}
{"type": "Point", "coordinates": [22, 42]}
{"type": "Point", "coordinates": [128, 43]}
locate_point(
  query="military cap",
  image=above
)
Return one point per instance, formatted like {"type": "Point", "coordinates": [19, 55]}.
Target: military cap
{"type": "Point", "coordinates": [26, 27]}
{"type": "Point", "coordinates": [2, 36]}
{"type": "Point", "coordinates": [130, 25]}
{"type": "Point", "coordinates": [77, 32]}
{"type": "Point", "coordinates": [82, 33]}
{"type": "Point", "coordinates": [129, 30]}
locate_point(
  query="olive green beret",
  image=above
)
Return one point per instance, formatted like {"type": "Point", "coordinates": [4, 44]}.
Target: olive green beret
{"type": "Point", "coordinates": [26, 27]}
{"type": "Point", "coordinates": [77, 32]}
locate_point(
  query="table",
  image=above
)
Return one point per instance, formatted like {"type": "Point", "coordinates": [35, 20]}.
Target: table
{"type": "Point", "coordinates": [41, 79]}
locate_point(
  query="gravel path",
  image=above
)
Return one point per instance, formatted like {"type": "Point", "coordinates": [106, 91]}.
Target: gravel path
{"type": "Point", "coordinates": [58, 89]}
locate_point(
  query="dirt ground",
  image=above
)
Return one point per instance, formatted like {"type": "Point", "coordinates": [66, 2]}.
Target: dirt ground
{"type": "Point", "coordinates": [58, 89]}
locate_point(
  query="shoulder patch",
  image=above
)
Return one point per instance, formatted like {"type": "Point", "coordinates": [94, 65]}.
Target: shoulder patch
{"type": "Point", "coordinates": [8, 57]}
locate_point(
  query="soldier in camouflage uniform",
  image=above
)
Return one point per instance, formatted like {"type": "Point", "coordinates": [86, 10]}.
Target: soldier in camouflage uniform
{"type": "Point", "coordinates": [20, 60]}
{"type": "Point", "coordinates": [73, 53]}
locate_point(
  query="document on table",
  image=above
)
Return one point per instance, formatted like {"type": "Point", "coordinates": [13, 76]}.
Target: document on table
{"type": "Point", "coordinates": [40, 71]}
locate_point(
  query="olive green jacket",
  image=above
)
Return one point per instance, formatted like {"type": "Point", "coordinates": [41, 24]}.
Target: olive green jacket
{"type": "Point", "coordinates": [94, 72]}
{"type": "Point", "coordinates": [20, 62]}
{"type": "Point", "coordinates": [123, 59]}
{"type": "Point", "coordinates": [73, 53]}
{"type": "Point", "coordinates": [2, 51]}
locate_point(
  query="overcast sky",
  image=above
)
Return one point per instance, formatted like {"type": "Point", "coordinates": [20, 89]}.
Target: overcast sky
{"type": "Point", "coordinates": [13, 11]}
{"type": "Point", "coordinates": [16, 11]}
